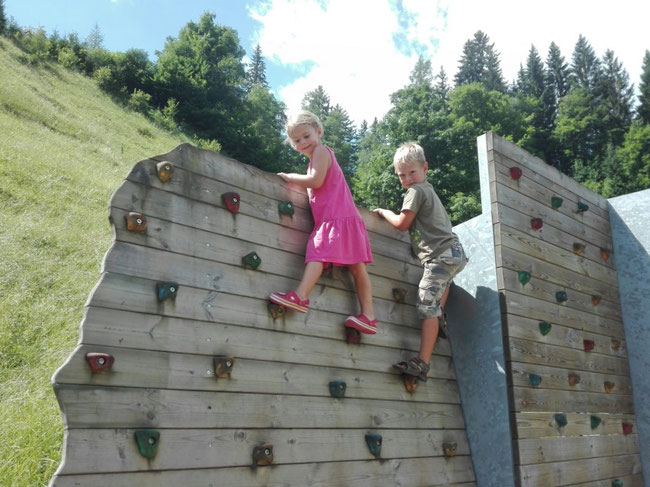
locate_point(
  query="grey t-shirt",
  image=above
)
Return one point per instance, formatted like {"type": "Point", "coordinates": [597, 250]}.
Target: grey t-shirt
{"type": "Point", "coordinates": [431, 232]}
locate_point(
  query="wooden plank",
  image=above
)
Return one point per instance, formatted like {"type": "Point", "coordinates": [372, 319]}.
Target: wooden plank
{"type": "Point", "coordinates": [595, 217]}
{"type": "Point", "coordinates": [543, 354]}
{"type": "Point", "coordinates": [536, 309]}
{"type": "Point", "coordinates": [545, 291]}
{"type": "Point", "coordinates": [114, 450]}
{"type": "Point", "coordinates": [635, 480]}
{"type": "Point", "coordinates": [565, 473]}
{"type": "Point", "coordinates": [540, 424]}
{"type": "Point", "coordinates": [527, 399]}
{"type": "Point", "coordinates": [559, 449]}
{"type": "Point", "coordinates": [558, 378]}
{"type": "Point", "coordinates": [412, 472]}
{"type": "Point", "coordinates": [566, 336]}
{"type": "Point", "coordinates": [513, 256]}
{"type": "Point", "coordinates": [163, 370]}
{"type": "Point", "coordinates": [117, 407]}
{"type": "Point", "coordinates": [118, 292]}
{"type": "Point", "coordinates": [540, 168]}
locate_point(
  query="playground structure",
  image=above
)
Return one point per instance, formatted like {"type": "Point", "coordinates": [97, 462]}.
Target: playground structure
{"type": "Point", "coordinates": [184, 376]}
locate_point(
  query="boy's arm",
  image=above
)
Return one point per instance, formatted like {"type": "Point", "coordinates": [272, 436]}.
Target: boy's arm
{"type": "Point", "coordinates": [402, 221]}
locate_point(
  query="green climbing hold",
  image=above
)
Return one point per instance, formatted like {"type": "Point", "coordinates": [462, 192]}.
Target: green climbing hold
{"type": "Point", "coordinates": [561, 296]}
{"type": "Point", "coordinates": [251, 261]}
{"type": "Point", "coordinates": [544, 327]}
{"type": "Point", "coordinates": [166, 290]}
{"type": "Point", "coordinates": [147, 441]}
{"type": "Point", "coordinates": [524, 277]}
{"type": "Point", "coordinates": [535, 379]}
{"type": "Point", "coordinates": [560, 419]}
{"type": "Point", "coordinates": [595, 421]}
{"type": "Point", "coordinates": [617, 483]}
{"type": "Point", "coordinates": [582, 207]}
{"type": "Point", "coordinates": [373, 441]}
{"type": "Point", "coordinates": [337, 388]}
{"type": "Point", "coordinates": [286, 207]}
{"type": "Point", "coordinates": [556, 201]}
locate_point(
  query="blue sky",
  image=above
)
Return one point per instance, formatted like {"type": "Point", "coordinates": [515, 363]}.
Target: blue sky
{"type": "Point", "coordinates": [360, 51]}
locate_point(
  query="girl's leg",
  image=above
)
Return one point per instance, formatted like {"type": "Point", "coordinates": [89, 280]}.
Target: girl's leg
{"type": "Point", "coordinates": [364, 288]}
{"type": "Point", "coordinates": [313, 271]}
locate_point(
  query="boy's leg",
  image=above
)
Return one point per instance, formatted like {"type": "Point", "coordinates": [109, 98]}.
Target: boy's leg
{"type": "Point", "coordinates": [428, 336]}
{"type": "Point", "coordinates": [310, 276]}
{"type": "Point", "coordinates": [364, 289]}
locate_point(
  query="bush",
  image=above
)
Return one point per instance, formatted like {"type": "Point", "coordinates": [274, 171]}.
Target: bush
{"type": "Point", "coordinates": [68, 58]}
{"type": "Point", "coordinates": [139, 101]}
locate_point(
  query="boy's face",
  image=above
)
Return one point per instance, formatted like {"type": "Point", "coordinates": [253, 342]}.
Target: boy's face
{"type": "Point", "coordinates": [411, 173]}
{"type": "Point", "coordinates": [305, 138]}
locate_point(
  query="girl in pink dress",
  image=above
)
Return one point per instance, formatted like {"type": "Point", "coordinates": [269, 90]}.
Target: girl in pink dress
{"type": "Point", "coordinates": [339, 236]}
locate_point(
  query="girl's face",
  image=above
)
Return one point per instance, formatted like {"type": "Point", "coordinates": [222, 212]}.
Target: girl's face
{"type": "Point", "coordinates": [305, 138]}
{"type": "Point", "coordinates": [411, 173]}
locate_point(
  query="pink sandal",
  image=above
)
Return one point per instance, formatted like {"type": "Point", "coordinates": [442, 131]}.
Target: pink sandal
{"type": "Point", "coordinates": [290, 300]}
{"type": "Point", "coordinates": [362, 323]}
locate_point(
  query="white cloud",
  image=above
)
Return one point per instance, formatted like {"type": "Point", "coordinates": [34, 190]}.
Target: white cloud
{"type": "Point", "coordinates": [352, 50]}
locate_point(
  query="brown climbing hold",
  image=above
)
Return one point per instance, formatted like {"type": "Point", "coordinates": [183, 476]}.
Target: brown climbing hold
{"type": "Point", "coordinates": [410, 382]}
{"type": "Point", "coordinates": [449, 449]}
{"type": "Point", "coordinates": [223, 366]}
{"type": "Point", "coordinates": [135, 222]}
{"type": "Point", "coordinates": [352, 336]}
{"type": "Point", "coordinates": [276, 310]}
{"type": "Point", "coordinates": [578, 248]}
{"type": "Point", "coordinates": [609, 386]}
{"type": "Point", "coordinates": [165, 170]}
{"type": "Point", "coordinates": [99, 361]}
{"type": "Point", "coordinates": [604, 254]}
{"type": "Point", "coordinates": [574, 379]}
{"type": "Point", "coordinates": [399, 294]}
{"type": "Point", "coordinates": [595, 300]}
{"type": "Point", "coordinates": [263, 454]}
{"type": "Point", "coordinates": [616, 344]}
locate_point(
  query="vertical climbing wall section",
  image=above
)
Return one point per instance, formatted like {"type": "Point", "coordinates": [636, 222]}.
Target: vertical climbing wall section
{"type": "Point", "coordinates": [570, 392]}
{"type": "Point", "coordinates": [184, 376]}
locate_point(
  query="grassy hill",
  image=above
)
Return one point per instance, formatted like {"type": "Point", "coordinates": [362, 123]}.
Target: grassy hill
{"type": "Point", "coordinates": [64, 148]}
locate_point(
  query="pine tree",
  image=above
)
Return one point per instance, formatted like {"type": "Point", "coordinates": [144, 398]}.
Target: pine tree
{"type": "Point", "coordinates": [643, 110]}
{"type": "Point", "coordinates": [3, 18]}
{"type": "Point", "coordinates": [421, 73]}
{"type": "Point", "coordinates": [317, 102]}
{"type": "Point", "coordinates": [615, 95]}
{"type": "Point", "coordinates": [585, 66]}
{"type": "Point", "coordinates": [557, 71]}
{"type": "Point", "coordinates": [256, 73]}
{"type": "Point", "coordinates": [441, 89]}
{"type": "Point", "coordinates": [480, 64]}
{"type": "Point", "coordinates": [95, 39]}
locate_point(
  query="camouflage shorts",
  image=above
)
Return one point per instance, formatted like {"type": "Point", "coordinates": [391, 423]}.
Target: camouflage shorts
{"type": "Point", "coordinates": [438, 274]}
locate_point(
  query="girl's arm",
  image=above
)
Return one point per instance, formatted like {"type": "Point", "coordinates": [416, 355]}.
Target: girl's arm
{"type": "Point", "coordinates": [402, 221]}
{"type": "Point", "coordinates": [320, 163]}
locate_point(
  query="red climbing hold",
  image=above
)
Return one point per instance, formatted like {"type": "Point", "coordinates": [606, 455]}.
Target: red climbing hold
{"type": "Point", "coordinates": [232, 201]}
{"type": "Point", "coordinates": [99, 361]}
{"type": "Point", "coordinates": [627, 428]}
{"type": "Point", "coordinates": [536, 223]}
{"type": "Point", "coordinates": [588, 345]}
{"type": "Point", "coordinates": [515, 172]}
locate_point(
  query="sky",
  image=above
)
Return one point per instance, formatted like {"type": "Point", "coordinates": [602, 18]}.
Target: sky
{"type": "Point", "coordinates": [360, 51]}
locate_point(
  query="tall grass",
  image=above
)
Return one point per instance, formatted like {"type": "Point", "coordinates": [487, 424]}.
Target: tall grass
{"type": "Point", "coordinates": [64, 148]}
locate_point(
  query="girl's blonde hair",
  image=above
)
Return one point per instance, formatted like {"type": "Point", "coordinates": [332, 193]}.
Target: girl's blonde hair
{"type": "Point", "coordinates": [409, 153]}
{"type": "Point", "coordinates": [303, 117]}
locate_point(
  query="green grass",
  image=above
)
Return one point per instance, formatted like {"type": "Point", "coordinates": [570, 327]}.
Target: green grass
{"type": "Point", "coordinates": [64, 148]}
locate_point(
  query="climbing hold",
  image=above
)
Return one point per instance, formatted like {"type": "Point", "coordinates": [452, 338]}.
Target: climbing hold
{"type": "Point", "coordinates": [609, 386]}
{"type": "Point", "coordinates": [615, 344]}
{"type": "Point", "coordinates": [627, 428]}
{"type": "Point", "coordinates": [574, 379]}
{"type": "Point", "coordinates": [544, 327]}
{"type": "Point", "coordinates": [536, 223]}
{"type": "Point", "coordinates": [410, 383]}
{"type": "Point", "coordinates": [374, 444]}
{"type": "Point", "coordinates": [223, 366]}
{"type": "Point", "coordinates": [560, 419]}
{"type": "Point", "coordinates": [251, 260]}
{"type": "Point", "coordinates": [399, 294]}
{"type": "Point", "coordinates": [166, 290]}
{"type": "Point", "coordinates": [449, 449]}
{"type": "Point", "coordinates": [165, 170]}
{"type": "Point", "coordinates": [556, 201]}
{"type": "Point", "coordinates": [524, 277]}
{"type": "Point", "coordinates": [588, 345]}
{"type": "Point", "coordinates": [286, 207]}
{"type": "Point", "coordinates": [617, 483]}
{"type": "Point", "coordinates": [595, 300]}
{"type": "Point", "coordinates": [578, 248]}
{"type": "Point", "coordinates": [515, 172]}
{"type": "Point", "coordinates": [352, 336]}
{"type": "Point", "coordinates": [263, 454]}
{"type": "Point", "coordinates": [337, 388]}
{"type": "Point", "coordinates": [561, 296]}
{"type": "Point", "coordinates": [276, 310]}
{"type": "Point", "coordinates": [147, 441]}
{"type": "Point", "coordinates": [232, 201]}
{"type": "Point", "coordinates": [582, 207]}
{"type": "Point", "coordinates": [535, 379]}
{"type": "Point", "coordinates": [99, 361]}
{"type": "Point", "coordinates": [595, 421]}
{"type": "Point", "coordinates": [135, 222]}
{"type": "Point", "coordinates": [604, 254]}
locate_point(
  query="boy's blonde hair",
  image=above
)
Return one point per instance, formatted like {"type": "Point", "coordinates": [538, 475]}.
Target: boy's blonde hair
{"type": "Point", "coordinates": [409, 153]}
{"type": "Point", "coordinates": [303, 117]}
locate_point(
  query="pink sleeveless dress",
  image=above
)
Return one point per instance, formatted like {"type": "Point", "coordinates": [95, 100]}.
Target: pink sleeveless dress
{"type": "Point", "coordinates": [339, 236]}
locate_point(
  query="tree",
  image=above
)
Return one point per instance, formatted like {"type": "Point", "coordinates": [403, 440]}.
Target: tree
{"type": "Point", "coordinates": [585, 66]}
{"type": "Point", "coordinates": [95, 39]}
{"type": "Point", "coordinates": [317, 102]}
{"type": "Point", "coordinates": [3, 18]}
{"type": "Point", "coordinates": [643, 110]}
{"type": "Point", "coordinates": [557, 71]}
{"type": "Point", "coordinates": [615, 94]}
{"type": "Point", "coordinates": [480, 64]}
{"type": "Point", "coordinates": [256, 73]}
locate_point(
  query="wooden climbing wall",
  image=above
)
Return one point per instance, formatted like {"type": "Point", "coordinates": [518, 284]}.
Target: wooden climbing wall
{"type": "Point", "coordinates": [570, 394]}
{"type": "Point", "coordinates": [156, 364]}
